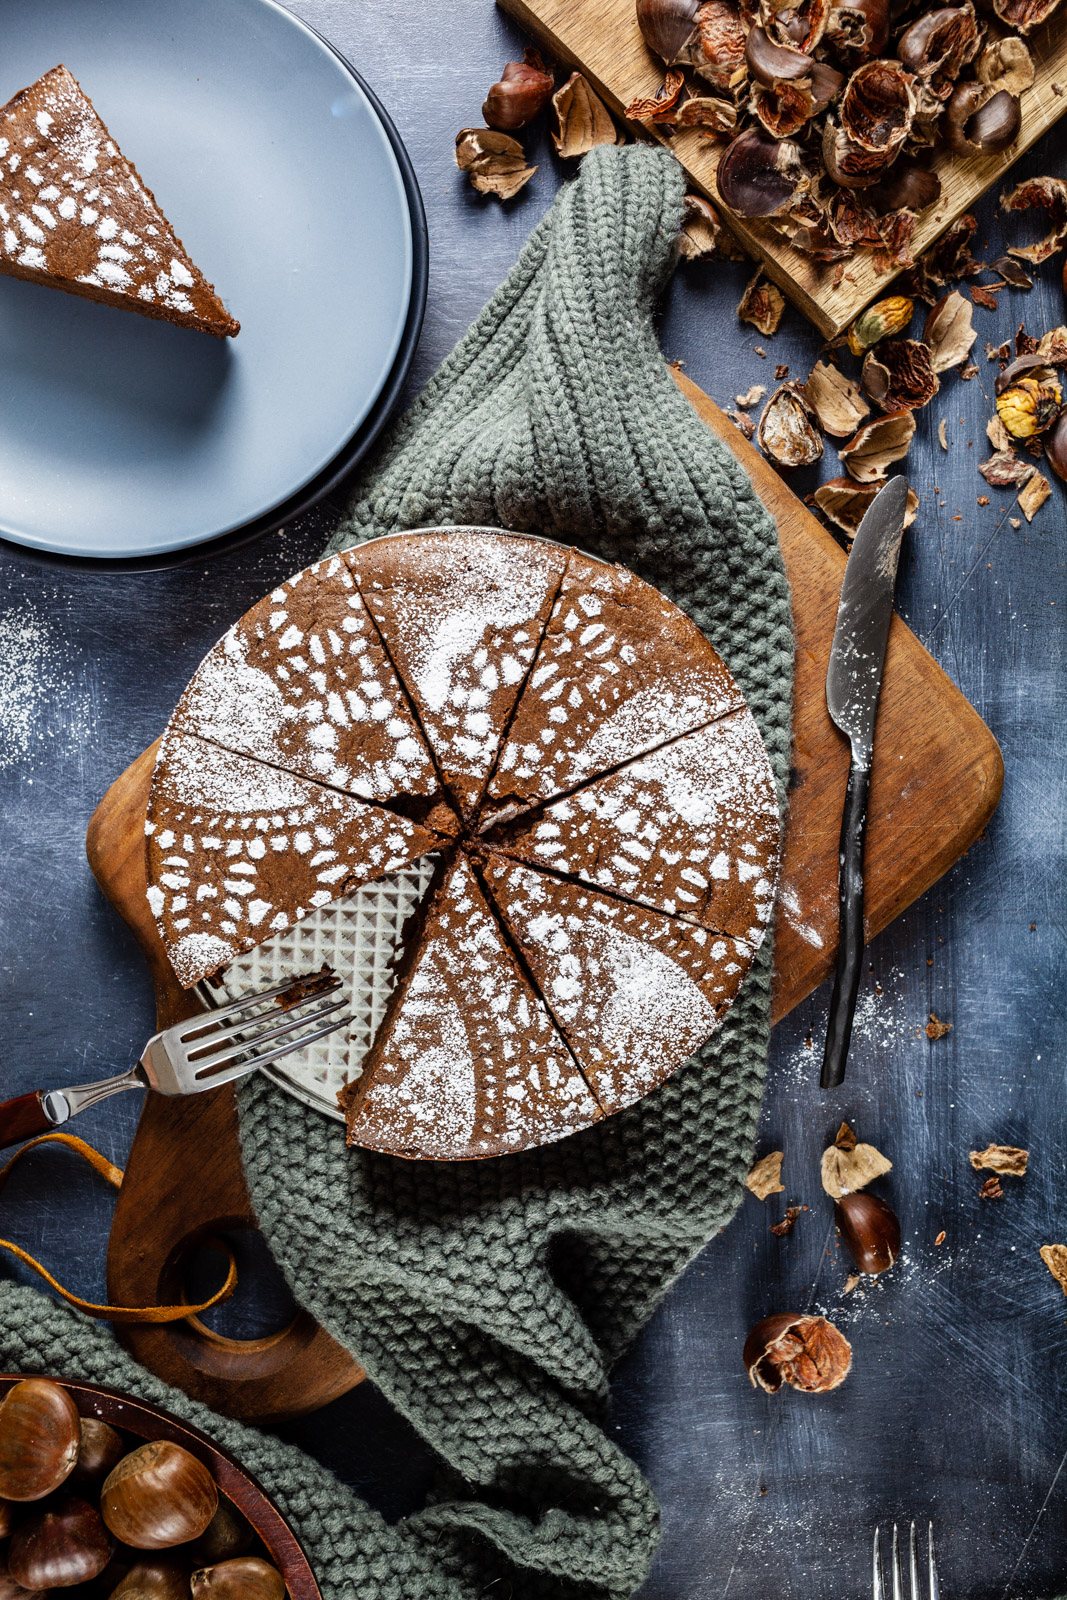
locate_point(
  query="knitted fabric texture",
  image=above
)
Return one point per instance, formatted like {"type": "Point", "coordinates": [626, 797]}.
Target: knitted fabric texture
{"type": "Point", "coordinates": [488, 1299]}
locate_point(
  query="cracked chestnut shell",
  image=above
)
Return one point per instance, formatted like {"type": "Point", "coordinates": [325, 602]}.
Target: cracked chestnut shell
{"type": "Point", "coordinates": [980, 121]}
{"type": "Point", "coordinates": [246, 1578]}
{"type": "Point", "coordinates": [667, 26]}
{"type": "Point", "coordinates": [870, 1229]}
{"type": "Point", "coordinates": [39, 1439]}
{"type": "Point", "coordinates": [806, 1352]}
{"type": "Point", "coordinates": [159, 1495]}
{"type": "Point", "coordinates": [58, 1546]}
{"type": "Point", "coordinates": [758, 175]}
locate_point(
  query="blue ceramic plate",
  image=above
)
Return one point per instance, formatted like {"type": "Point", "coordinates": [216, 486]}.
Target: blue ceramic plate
{"type": "Point", "coordinates": [122, 437]}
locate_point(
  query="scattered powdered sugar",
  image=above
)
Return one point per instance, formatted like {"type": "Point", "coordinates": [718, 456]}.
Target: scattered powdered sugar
{"type": "Point", "coordinates": [39, 691]}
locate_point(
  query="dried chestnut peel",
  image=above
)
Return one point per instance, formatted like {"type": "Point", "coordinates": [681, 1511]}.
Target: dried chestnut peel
{"type": "Point", "coordinates": [806, 1352]}
{"type": "Point", "coordinates": [870, 1230]}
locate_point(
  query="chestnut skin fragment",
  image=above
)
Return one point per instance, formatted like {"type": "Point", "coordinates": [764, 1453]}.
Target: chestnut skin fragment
{"type": "Point", "coordinates": [806, 1352]}
{"type": "Point", "coordinates": [870, 1229]}
{"type": "Point", "coordinates": [787, 434]}
{"type": "Point", "coordinates": [897, 375]}
{"type": "Point", "coordinates": [980, 120]}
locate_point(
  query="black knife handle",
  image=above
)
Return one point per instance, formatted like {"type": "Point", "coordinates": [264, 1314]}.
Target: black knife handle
{"type": "Point", "coordinates": [850, 927]}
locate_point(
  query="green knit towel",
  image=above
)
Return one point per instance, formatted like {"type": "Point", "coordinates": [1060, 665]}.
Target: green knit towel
{"type": "Point", "coordinates": [488, 1299]}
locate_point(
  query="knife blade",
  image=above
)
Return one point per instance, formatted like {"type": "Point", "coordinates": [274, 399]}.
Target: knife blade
{"type": "Point", "coordinates": [853, 687]}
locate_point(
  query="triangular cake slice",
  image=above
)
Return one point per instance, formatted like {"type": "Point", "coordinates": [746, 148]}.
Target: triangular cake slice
{"type": "Point", "coordinates": [302, 681]}
{"type": "Point", "coordinates": [467, 1062]}
{"type": "Point", "coordinates": [238, 851]}
{"type": "Point", "coordinates": [620, 670]}
{"type": "Point", "coordinates": [635, 993]}
{"type": "Point", "coordinates": [75, 215]}
{"type": "Point", "coordinates": [691, 829]}
{"type": "Point", "coordinates": [461, 614]}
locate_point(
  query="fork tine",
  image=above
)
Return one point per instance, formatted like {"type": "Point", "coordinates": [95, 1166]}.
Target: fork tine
{"type": "Point", "coordinates": [210, 1023]}
{"type": "Point", "coordinates": [898, 1586]}
{"type": "Point", "coordinates": [247, 1060]}
{"type": "Point", "coordinates": [877, 1590]}
{"type": "Point", "coordinates": [210, 1056]}
{"type": "Point", "coordinates": [913, 1565]}
{"type": "Point", "coordinates": [935, 1587]}
{"type": "Point", "coordinates": [210, 1048]}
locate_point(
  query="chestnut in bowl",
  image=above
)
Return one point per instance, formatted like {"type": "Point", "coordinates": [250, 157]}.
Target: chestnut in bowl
{"type": "Point", "coordinates": [39, 1438]}
{"type": "Point", "coordinates": [62, 1544]}
{"type": "Point", "coordinates": [159, 1495]}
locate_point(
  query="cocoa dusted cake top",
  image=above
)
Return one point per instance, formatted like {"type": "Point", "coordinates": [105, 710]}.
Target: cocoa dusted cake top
{"type": "Point", "coordinates": [561, 742]}
{"type": "Point", "coordinates": [75, 215]}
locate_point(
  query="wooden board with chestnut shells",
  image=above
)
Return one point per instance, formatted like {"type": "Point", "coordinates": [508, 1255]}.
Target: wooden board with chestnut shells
{"type": "Point", "coordinates": [602, 39]}
{"type": "Point", "coordinates": [936, 780]}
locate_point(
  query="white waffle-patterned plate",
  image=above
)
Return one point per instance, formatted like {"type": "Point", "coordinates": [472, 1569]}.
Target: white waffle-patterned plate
{"type": "Point", "coordinates": [357, 937]}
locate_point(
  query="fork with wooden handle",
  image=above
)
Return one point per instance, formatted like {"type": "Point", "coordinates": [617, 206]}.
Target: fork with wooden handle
{"type": "Point", "coordinates": [200, 1053]}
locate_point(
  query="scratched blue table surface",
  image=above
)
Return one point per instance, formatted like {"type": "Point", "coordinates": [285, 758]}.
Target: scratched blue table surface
{"type": "Point", "coordinates": [954, 1408]}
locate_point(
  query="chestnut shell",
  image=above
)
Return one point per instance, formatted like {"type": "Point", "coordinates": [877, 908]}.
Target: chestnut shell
{"type": "Point", "coordinates": [758, 175]}
{"type": "Point", "coordinates": [158, 1496]}
{"type": "Point", "coordinates": [807, 1352]}
{"type": "Point", "coordinates": [39, 1439]}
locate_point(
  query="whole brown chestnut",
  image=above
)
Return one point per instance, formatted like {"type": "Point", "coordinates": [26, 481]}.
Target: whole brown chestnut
{"type": "Point", "coordinates": [159, 1495]}
{"type": "Point", "coordinates": [39, 1437]}
{"type": "Point", "coordinates": [246, 1578]}
{"type": "Point", "coordinates": [228, 1534]}
{"type": "Point", "coordinates": [10, 1590]}
{"type": "Point", "coordinates": [59, 1546]}
{"type": "Point", "coordinates": [870, 1230]}
{"type": "Point", "coordinates": [164, 1577]}
{"type": "Point", "coordinates": [101, 1448]}
{"type": "Point", "coordinates": [522, 94]}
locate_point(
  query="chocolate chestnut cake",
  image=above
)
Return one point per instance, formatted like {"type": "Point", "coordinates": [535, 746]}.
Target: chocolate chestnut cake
{"type": "Point", "coordinates": [560, 743]}
{"type": "Point", "coordinates": [75, 214]}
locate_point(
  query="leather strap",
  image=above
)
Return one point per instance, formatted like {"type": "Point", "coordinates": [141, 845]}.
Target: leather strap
{"type": "Point", "coordinates": [112, 1175]}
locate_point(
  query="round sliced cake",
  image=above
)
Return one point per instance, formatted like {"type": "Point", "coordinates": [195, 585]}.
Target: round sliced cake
{"type": "Point", "coordinates": [573, 769]}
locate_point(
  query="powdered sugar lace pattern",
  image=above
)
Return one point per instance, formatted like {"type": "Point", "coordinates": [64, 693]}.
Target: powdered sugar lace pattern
{"type": "Point", "coordinates": [302, 681]}
{"type": "Point", "coordinates": [470, 1062]}
{"type": "Point", "coordinates": [255, 851]}
{"type": "Point", "coordinates": [461, 618]}
{"type": "Point", "coordinates": [72, 206]}
{"type": "Point", "coordinates": [635, 992]}
{"type": "Point", "coordinates": [691, 829]}
{"type": "Point", "coordinates": [619, 671]}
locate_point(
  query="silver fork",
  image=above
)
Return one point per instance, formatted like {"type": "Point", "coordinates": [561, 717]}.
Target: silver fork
{"type": "Point", "coordinates": [201, 1053]}
{"type": "Point", "coordinates": [933, 1591]}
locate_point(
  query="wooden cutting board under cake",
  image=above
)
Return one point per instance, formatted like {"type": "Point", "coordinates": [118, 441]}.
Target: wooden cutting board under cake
{"type": "Point", "coordinates": [936, 781]}
{"type": "Point", "coordinates": [602, 39]}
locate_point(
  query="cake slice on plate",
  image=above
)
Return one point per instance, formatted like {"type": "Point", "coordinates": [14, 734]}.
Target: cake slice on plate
{"type": "Point", "coordinates": [634, 992]}
{"type": "Point", "coordinates": [75, 215]}
{"type": "Point", "coordinates": [468, 1061]}
{"type": "Point", "coordinates": [238, 850]}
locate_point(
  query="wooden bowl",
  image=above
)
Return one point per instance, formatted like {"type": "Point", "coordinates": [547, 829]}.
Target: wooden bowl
{"type": "Point", "coordinates": [135, 1417]}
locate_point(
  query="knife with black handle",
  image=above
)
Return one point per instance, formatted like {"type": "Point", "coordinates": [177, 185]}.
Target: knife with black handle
{"type": "Point", "coordinates": [853, 685]}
